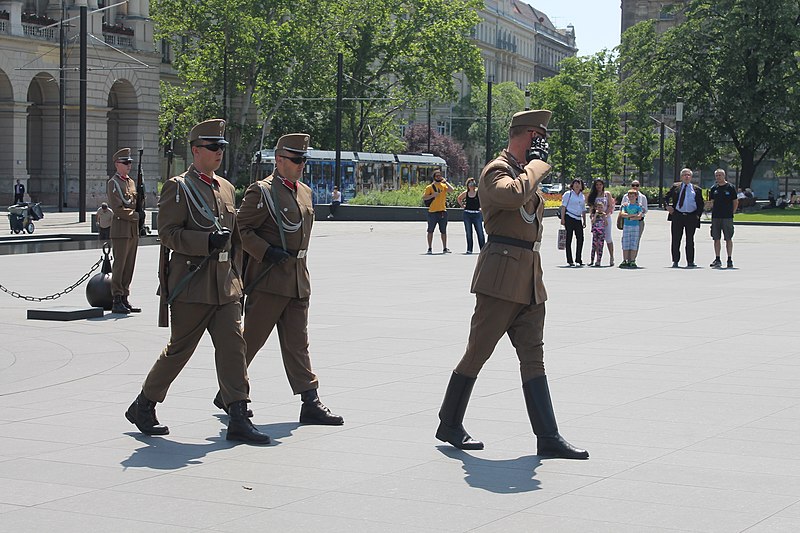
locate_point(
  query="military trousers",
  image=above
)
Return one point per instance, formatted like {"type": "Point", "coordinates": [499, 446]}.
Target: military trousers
{"type": "Point", "coordinates": [188, 323]}
{"type": "Point", "coordinates": [492, 319]}
{"type": "Point", "coordinates": [263, 311]}
{"type": "Point", "coordinates": [124, 251]}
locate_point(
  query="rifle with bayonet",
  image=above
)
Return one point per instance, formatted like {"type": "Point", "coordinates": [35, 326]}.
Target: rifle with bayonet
{"type": "Point", "coordinates": [140, 195]}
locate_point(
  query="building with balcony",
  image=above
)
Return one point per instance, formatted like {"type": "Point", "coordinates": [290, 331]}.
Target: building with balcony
{"type": "Point", "coordinates": [519, 43]}
{"type": "Point", "coordinates": [122, 96]}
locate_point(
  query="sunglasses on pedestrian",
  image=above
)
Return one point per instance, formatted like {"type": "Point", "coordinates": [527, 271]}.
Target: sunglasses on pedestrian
{"type": "Point", "coordinates": [634, 184]}
{"type": "Point", "coordinates": [297, 160]}
{"type": "Point", "coordinates": [213, 147]}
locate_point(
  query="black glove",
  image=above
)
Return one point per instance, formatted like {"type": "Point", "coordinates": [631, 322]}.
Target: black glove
{"type": "Point", "coordinates": [276, 255]}
{"type": "Point", "coordinates": [539, 150]}
{"type": "Point", "coordinates": [218, 239]}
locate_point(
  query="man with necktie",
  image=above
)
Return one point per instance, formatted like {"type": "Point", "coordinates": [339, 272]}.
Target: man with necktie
{"type": "Point", "coordinates": [684, 203]}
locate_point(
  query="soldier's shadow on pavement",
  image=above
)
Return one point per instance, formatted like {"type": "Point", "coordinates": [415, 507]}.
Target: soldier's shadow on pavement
{"type": "Point", "coordinates": [162, 453]}
{"type": "Point", "coordinates": [502, 476]}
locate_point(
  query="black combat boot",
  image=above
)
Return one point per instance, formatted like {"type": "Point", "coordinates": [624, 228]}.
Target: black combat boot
{"type": "Point", "coordinates": [131, 308]}
{"type": "Point", "coordinates": [142, 412]}
{"type": "Point", "coordinates": [543, 420]}
{"type": "Point", "coordinates": [119, 307]}
{"type": "Point", "coordinates": [452, 412]}
{"type": "Point", "coordinates": [221, 405]}
{"type": "Point", "coordinates": [240, 428]}
{"type": "Point", "coordinates": [314, 411]}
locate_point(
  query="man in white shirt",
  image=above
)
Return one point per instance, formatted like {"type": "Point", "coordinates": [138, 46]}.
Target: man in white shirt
{"type": "Point", "coordinates": [642, 202]}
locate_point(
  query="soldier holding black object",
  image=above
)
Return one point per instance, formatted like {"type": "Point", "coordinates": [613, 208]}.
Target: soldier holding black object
{"type": "Point", "coordinates": [275, 221]}
{"type": "Point", "coordinates": [508, 287]}
{"type": "Point", "coordinates": [121, 192]}
{"type": "Point", "coordinates": [200, 281]}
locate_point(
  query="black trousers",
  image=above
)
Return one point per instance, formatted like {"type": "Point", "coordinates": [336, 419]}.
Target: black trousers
{"type": "Point", "coordinates": [574, 226]}
{"type": "Point", "coordinates": [683, 224]}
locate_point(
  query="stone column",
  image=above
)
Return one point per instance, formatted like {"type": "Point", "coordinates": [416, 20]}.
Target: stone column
{"type": "Point", "coordinates": [15, 118]}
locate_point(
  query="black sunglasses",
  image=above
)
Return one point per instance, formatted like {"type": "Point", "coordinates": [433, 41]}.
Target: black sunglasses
{"type": "Point", "coordinates": [634, 184]}
{"type": "Point", "coordinates": [296, 160]}
{"type": "Point", "coordinates": [213, 147]}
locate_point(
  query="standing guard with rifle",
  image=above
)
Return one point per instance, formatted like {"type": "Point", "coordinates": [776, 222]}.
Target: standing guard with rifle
{"type": "Point", "coordinates": [275, 219]}
{"type": "Point", "coordinates": [200, 282]}
{"type": "Point", "coordinates": [124, 202]}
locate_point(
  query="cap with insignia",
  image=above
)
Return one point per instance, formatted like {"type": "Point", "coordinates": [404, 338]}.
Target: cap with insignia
{"type": "Point", "coordinates": [293, 144]}
{"type": "Point", "coordinates": [537, 118]}
{"type": "Point", "coordinates": [123, 155]}
{"type": "Point", "coordinates": [210, 130]}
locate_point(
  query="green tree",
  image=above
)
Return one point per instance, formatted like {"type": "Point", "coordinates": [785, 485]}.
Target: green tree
{"type": "Point", "coordinates": [400, 53]}
{"type": "Point", "coordinates": [584, 85]}
{"type": "Point", "coordinates": [735, 64]}
{"type": "Point", "coordinates": [507, 99]}
{"type": "Point", "coordinates": [281, 64]}
{"type": "Point", "coordinates": [640, 142]}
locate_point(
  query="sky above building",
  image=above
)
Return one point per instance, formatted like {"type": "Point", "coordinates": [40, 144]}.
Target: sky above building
{"type": "Point", "coordinates": [596, 22]}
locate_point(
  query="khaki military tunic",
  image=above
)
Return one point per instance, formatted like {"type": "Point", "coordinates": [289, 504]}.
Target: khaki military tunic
{"type": "Point", "coordinates": [281, 297]}
{"type": "Point", "coordinates": [507, 282]}
{"type": "Point", "coordinates": [211, 300]}
{"type": "Point", "coordinates": [124, 235]}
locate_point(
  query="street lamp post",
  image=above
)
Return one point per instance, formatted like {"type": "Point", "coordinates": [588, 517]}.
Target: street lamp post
{"type": "Point", "coordinates": [662, 131]}
{"type": "Point", "coordinates": [678, 120]}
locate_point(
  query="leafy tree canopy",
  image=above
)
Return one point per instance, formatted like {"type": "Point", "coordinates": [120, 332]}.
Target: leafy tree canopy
{"type": "Point", "coordinates": [281, 64]}
{"type": "Point", "coordinates": [735, 63]}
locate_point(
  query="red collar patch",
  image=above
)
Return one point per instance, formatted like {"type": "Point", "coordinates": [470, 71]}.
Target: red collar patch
{"type": "Point", "coordinates": [291, 185]}
{"type": "Point", "coordinates": [208, 180]}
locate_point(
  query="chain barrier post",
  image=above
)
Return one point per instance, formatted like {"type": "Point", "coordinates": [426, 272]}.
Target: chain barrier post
{"type": "Point", "coordinates": [15, 294]}
{"type": "Point", "coordinates": [98, 290]}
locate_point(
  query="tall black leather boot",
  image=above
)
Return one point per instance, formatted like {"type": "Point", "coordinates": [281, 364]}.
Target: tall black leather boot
{"type": "Point", "coordinates": [452, 412]}
{"type": "Point", "coordinates": [240, 428]}
{"type": "Point", "coordinates": [119, 307]}
{"type": "Point", "coordinates": [543, 420]}
{"type": "Point", "coordinates": [314, 411]}
{"type": "Point", "coordinates": [142, 412]}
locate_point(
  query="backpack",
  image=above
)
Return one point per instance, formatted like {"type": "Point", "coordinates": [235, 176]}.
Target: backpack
{"type": "Point", "coordinates": [429, 201]}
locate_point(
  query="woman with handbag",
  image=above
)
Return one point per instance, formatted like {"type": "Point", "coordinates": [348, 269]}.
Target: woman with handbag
{"type": "Point", "coordinates": [573, 218]}
{"type": "Point", "coordinates": [599, 195]}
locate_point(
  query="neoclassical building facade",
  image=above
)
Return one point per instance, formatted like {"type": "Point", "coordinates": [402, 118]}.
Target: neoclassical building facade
{"type": "Point", "coordinates": [519, 43]}
{"type": "Point", "coordinates": [122, 97]}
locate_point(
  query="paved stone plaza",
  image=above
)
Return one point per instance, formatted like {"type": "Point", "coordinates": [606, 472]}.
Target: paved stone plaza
{"type": "Point", "coordinates": [682, 384]}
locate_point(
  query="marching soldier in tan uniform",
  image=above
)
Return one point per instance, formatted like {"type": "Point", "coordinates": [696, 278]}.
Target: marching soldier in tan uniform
{"type": "Point", "coordinates": [508, 288]}
{"type": "Point", "coordinates": [275, 221]}
{"type": "Point", "coordinates": [121, 192]}
{"type": "Point", "coordinates": [201, 283]}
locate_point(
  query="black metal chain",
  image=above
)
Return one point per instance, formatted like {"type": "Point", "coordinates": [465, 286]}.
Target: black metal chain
{"type": "Point", "coordinates": [15, 294]}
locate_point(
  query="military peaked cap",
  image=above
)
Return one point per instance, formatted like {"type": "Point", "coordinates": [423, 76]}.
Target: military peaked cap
{"type": "Point", "coordinates": [123, 154]}
{"type": "Point", "coordinates": [209, 130]}
{"type": "Point", "coordinates": [293, 144]}
{"type": "Point", "coordinates": [533, 119]}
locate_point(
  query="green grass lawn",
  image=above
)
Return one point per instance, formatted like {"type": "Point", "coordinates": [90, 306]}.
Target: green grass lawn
{"type": "Point", "coordinates": [791, 214]}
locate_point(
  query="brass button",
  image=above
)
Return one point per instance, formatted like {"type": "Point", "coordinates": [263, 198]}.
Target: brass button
{"type": "Point", "coordinates": [505, 252]}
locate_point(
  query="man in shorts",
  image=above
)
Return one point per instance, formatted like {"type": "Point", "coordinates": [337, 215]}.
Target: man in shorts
{"type": "Point", "coordinates": [436, 194]}
{"type": "Point", "coordinates": [724, 205]}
